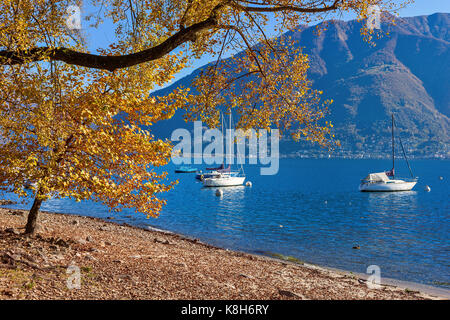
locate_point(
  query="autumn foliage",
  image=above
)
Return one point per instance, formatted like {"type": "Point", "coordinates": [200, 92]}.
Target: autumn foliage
{"type": "Point", "coordinates": [71, 121]}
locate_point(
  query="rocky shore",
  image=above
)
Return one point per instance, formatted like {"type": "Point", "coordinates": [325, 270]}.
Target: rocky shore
{"type": "Point", "coordinates": [123, 262]}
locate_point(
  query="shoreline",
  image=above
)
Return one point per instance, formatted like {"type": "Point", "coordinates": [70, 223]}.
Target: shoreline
{"type": "Point", "coordinates": [409, 285]}
{"type": "Point", "coordinates": [404, 284]}
{"type": "Point", "coordinates": [118, 260]}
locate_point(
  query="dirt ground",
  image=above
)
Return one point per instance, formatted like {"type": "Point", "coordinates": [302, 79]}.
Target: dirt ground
{"type": "Point", "coordinates": [75, 257]}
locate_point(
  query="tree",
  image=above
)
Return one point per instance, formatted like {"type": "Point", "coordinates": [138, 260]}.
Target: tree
{"type": "Point", "coordinates": [72, 121]}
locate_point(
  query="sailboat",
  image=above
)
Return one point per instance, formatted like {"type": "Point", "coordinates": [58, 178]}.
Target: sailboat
{"type": "Point", "coordinates": [224, 177]}
{"type": "Point", "coordinates": [212, 172]}
{"type": "Point", "coordinates": [225, 180]}
{"type": "Point", "coordinates": [382, 182]}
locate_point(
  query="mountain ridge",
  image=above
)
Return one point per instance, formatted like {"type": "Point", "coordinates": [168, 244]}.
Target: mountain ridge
{"type": "Point", "coordinates": [407, 72]}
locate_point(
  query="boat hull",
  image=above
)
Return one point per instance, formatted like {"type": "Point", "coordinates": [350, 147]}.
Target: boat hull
{"type": "Point", "coordinates": [387, 187]}
{"type": "Point", "coordinates": [223, 182]}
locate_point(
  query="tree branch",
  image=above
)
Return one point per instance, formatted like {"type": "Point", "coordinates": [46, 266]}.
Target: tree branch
{"type": "Point", "coordinates": [334, 6]}
{"type": "Point", "coordinates": [106, 62]}
{"type": "Point", "coordinates": [111, 63]}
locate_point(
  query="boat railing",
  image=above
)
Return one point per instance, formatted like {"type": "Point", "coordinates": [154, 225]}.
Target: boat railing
{"type": "Point", "coordinates": [408, 179]}
{"type": "Point", "coordinates": [397, 178]}
{"type": "Point", "coordinates": [370, 181]}
{"type": "Point", "coordinates": [232, 173]}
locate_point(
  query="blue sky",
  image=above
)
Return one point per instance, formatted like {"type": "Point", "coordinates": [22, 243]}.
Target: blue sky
{"type": "Point", "coordinates": [425, 7]}
{"type": "Point", "coordinates": [100, 38]}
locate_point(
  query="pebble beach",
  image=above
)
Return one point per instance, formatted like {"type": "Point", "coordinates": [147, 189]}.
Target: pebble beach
{"type": "Point", "coordinates": [117, 261]}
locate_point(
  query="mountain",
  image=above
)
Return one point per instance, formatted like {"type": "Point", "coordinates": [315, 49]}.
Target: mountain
{"type": "Point", "coordinates": [407, 72]}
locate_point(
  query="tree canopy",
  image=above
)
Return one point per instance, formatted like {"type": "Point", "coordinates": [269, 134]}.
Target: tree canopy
{"type": "Point", "coordinates": [72, 120]}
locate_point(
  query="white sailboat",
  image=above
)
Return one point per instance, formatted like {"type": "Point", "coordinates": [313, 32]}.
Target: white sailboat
{"type": "Point", "coordinates": [380, 181]}
{"type": "Point", "coordinates": [224, 180]}
{"type": "Point", "coordinates": [225, 177]}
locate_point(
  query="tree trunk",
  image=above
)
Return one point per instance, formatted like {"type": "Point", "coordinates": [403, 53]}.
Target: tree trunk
{"type": "Point", "coordinates": [30, 228]}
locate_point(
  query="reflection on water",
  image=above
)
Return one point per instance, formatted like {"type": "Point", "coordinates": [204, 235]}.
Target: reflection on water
{"type": "Point", "coordinates": [390, 202]}
{"type": "Point", "coordinates": [228, 213]}
{"type": "Point", "coordinates": [312, 210]}
{"type": "Point", "coordinates": [230, 189]}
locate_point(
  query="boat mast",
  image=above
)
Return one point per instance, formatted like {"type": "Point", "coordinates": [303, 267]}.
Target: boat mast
{"type": "Point", "coordinates": [238, 158]}
{"type": "Point", "coordinates": [404, 154]}
{"type": "Point", "coordinates": [393, 152]}
{"type": "Point", "coordinates": [231, 144]}
{"type": "Point", "coordinates": [224, 130]}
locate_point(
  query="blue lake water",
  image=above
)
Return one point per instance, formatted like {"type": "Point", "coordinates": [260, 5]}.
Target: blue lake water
{"type": "Point", "coordinates": [312, 210]}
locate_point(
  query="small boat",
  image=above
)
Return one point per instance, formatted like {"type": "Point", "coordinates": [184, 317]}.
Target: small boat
{"type": "Point", "coordinates": [224, 177]}
{"type": "Point", "coordinates": [224, 180]}
{"type": "Point", "coordinates": [380, 181]}
{"type": "Point", "coordinates": [212, 172]}
{"type": "Point", "coordinates": [185, 169]}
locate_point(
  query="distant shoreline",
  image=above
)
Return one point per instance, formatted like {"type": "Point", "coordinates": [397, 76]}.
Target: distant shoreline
{"type": "Point", "coordinates": [348, 157]}
{"type": "Point", "coordinates": [325, 156]}
{"type": "Point", "coordinates": [120, 261]}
